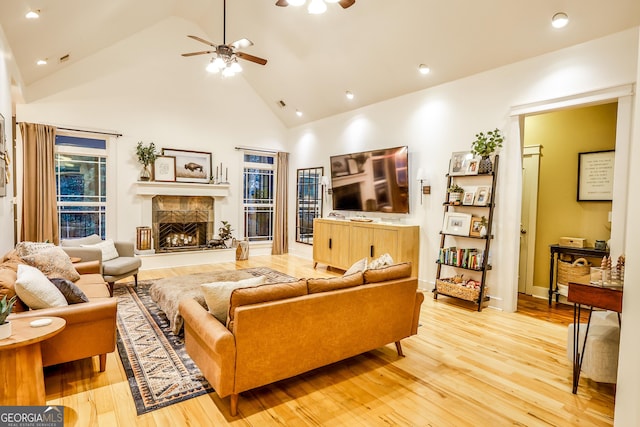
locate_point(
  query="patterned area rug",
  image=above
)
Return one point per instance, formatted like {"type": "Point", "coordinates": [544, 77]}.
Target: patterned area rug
{"type": "Point", "coordinates": [159, 370]}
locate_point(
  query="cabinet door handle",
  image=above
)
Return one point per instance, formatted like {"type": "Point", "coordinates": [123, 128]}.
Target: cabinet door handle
{"type": "Point", "coordinates": [371, 251]}
{"type": "Point", "coordinates": [329, 243]}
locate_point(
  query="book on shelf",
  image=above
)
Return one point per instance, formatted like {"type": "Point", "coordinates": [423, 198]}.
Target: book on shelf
{"type": "Point", "coordinates": [470, 258]}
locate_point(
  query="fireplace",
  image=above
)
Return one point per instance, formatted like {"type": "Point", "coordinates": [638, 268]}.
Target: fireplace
{"type": "Point", "coordinates": [182, 223]}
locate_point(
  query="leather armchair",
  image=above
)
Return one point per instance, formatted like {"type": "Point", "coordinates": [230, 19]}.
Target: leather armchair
{"type": "Point", "coordinates": [125, 265]}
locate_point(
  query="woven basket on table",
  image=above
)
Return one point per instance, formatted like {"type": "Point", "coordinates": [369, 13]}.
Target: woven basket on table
{"type": "Point", "coordinates": [572, 271]}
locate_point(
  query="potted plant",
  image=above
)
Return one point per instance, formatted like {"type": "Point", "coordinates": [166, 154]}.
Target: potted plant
{"type": "Point", "coordinates": [485, 145]}
{"type": "Point", "coordinates": [146, 155]}
{"type": "Point", "coordinates": [455, 193]}
{"type": "Point", "coordinates": [5, 310]}
{"type": "Point", "coordinates": [224, 232]}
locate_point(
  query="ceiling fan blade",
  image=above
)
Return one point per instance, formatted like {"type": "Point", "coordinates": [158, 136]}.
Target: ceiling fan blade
{"type": "Point", "coordinates": [346, 3]}
{"type": "Point", "coordinates": [251, 58]}
{"type": "Point", "coordinates": [239, 44]}
{"type": "Point", "coordinates": [282, 3]}
{"type": "Point", "coordinates": [202, 52]}
{"type": "Point", "coordinates": [202, 40]}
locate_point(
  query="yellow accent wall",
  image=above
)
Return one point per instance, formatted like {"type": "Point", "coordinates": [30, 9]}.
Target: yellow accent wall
{"type": "Point", "coordinates": [562, 135]}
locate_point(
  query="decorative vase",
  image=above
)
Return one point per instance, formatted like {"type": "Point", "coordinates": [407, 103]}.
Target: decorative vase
{"type": "Point", "coordinates": [5, 330]}
{"type": "Point", "coordinates": [485, 165]}
{"type": "Point", "coordinates": [242, 251]}
{"type": "Point", "coordinates": [145, 173]}
{"type": "Point", "coordinates": [483, 231]}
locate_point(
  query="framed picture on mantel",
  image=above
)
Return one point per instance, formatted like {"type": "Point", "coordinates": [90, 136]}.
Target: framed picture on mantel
{"type": "Point", "coordinates": [191, 166]}
{"type": "Point", "coordinates": [164, 169]}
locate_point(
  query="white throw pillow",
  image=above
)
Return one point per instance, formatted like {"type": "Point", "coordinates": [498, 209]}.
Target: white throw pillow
{"type": "Point", "coordinates": [35, 290]}
{"type": "Point", "coordinates": [384, 260]}
{"type": "Point", "coordinates": [107, 247]}
{"type": "Point", "coordinates": [217, 295]}
{"type": "Point", "coordinates": [357, 267]}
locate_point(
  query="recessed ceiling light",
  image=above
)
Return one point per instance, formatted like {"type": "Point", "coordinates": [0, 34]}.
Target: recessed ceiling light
{"type": "Point", "coordinates": [33, 14]}
{"type": "Point", "coordinates": [424, 69]}
{"type": "Point", "coordinates": [559, 20]}
{"type": "Point", "coordinates": [41, 62]}
{"type": "Point", "coordinates": [349, 94]}
{"type": "Point", "coordinates": [298, 113]}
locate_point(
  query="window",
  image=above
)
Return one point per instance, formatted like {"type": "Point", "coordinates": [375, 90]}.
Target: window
{"type": "Point", "coordinates": [81, 165]}
{"type": "Point", "coordinates": [309, 202]}
{"type": "Point", "coordinates": [258, 196]}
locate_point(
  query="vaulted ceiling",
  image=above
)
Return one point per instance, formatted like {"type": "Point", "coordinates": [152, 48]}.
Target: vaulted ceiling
{"type": "Point", "coordinates": [372, 49]}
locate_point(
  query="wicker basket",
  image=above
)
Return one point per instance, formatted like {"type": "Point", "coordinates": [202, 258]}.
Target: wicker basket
{"type": "Point", "coordinates": [572, 271]}
{"type": "Point", "coordinates": [457, 290]}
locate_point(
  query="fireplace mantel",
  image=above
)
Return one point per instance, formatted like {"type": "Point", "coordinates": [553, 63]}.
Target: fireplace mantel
{"type": "Point", "coordinates": [154, 188]}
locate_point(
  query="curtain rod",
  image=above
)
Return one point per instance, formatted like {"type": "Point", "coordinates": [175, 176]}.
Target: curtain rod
{"type": "Point", "coordinates": [117, 135]}
{"type": "Point", "coordinates": [259, 150]}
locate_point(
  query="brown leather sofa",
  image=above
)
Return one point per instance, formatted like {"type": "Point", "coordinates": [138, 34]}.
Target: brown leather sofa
{"type": "Point", "coordinates": [91, 326]}
{"type": "Point", "coordinates": [281, 330]}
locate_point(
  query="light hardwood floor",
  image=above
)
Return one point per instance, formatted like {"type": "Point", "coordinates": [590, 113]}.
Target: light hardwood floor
{"type": "Point", "coordinates": [464, 368]}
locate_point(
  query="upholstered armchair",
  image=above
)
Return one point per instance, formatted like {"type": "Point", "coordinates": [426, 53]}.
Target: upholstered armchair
{"type": "Point", "coordinates": [117, 258]}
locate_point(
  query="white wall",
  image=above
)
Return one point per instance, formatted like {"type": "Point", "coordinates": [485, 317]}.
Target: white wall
{"type": "Point", "coordinates": [142, 88]}
{"type": "Point", "coordinates": [6, 205]}
{"type": "Point", "coordinates": [437, 121]}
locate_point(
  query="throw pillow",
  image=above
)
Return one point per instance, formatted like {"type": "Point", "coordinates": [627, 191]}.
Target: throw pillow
{"type": "Point", "coordinates": [53, 262]}
{"type": "Point", "coordinates": [217, 295]}
{"type": "Point", "coordinates": [30, 248]}
{"type": "Point", "coordinates": [107, 247]}
{"type": "Point", "coordinates": [70, 291]}
{"type": "Point", "coordinates": [35, 290]}
{"type": "Point", "coordinates": [357, 267]}
{"type": "Point", "coordinates": [382, 261]}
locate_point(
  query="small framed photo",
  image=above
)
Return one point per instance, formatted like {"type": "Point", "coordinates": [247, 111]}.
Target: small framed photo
{"type": "Point", "coordinates": [483, 194]}
{"type": "Point", "coordinates": [191, 166]}
{"type": "Point", "coordinates": [164, 169]}
{"type": "Point", "coordinates": [458, 162]}
{"type": "Point", "coordinates": [472, 166]}
{"type": "Point", "coordinates": [476, 226]}
{"type": "Point", "coordinates": [468, 197]}
{"type": "Point", "coordinates": [456, 223]}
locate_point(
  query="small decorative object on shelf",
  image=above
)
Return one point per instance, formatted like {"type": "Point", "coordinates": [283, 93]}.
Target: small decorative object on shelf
{"type": "Point", "coordinates": [484, 145]}
{"type": "Point", "coordinates": [224, 233]}
{"type": "Point", "coordinates": [146, 155]}
{"type": "Point", "coordinates": [465, 222]}
{"type": "Point", "coordinates": [242, 251]}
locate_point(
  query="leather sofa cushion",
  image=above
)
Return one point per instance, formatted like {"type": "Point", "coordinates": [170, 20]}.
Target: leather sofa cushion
{"type": "Point", "coordinates": [392, 272]}
{"type": "Point", "coordinates": [333, 283]}
{"type": "Point", "coordinates": [120, 265]}
{"type": "Point", "coordinates": [264, 293]}
{"type": "Point", "coordinates": [93, 286]}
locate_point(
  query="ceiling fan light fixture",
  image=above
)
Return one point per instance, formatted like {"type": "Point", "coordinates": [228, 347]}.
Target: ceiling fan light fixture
{"type": "Point", "coordinates": [212, 67]}
{"type": "Point", "coordinates": [424, 69]}
{"type": "Point", "coordinates": [33, 14]}
{"type": "Point", "coordinates": [560, 20]}
{"type": "Point", "coordinates": [296, 2]}
{"type": "Point", "coordinates": [228, 72]}
{"type": "Point", "coordinates": [235, 66]}
{"type": "Point", "coordinates": [349, 95]}
{"type": "Point", "coordinates": [317, 7]}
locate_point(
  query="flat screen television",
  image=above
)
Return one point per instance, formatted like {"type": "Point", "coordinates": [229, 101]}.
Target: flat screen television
{"type": "Point", "coordinates": [371, 181]}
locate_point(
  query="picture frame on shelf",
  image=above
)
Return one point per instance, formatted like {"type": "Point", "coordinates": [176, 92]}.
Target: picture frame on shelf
{"type": "Point", "coordinates": [482, 196]}
{"type": "Point", "coordinates": [456, 223]}
{"type": "Point", "coordinates": [191, 166]}
{"type": "Point", "coordinates": [476, 226]}
{"type": "Point", "coordinates": [472, 166]}
{"type": "Point", "coordinates": [469, 197]}
{"type": "Point", "coordinates": [458, 162]}
{"type": "Point", "coordinates": [164, 169]}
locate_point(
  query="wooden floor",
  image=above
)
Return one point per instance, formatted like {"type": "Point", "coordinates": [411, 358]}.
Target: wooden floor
{"type": "Point", "coordinates": [464, 368]}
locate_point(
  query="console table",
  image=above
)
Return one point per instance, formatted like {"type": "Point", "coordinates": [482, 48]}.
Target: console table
{"type": "Point", "coordinates": [594, 297]}
{"type": "Point", "coordinates": [557, 250]}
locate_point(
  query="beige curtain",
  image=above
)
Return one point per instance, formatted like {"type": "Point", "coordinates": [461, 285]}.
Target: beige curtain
{"type": "Point", "coordinates": [39, 212]}
{"type": "Point", "coordinates": [280, 233]}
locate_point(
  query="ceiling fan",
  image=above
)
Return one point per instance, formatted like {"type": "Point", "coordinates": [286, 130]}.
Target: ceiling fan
{"type": "Point", "coordinates": [315, 6]}
{"type": "Point", "coordinates": [226, 55]}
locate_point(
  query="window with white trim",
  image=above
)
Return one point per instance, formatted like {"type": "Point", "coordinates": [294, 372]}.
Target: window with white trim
{"type": "Point", "coordinates": [258, 196]}
{"type": "Point", "coordinates": [81, 177]}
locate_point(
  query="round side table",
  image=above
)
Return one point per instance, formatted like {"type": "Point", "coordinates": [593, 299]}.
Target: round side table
{"type": "Point", "coordinates": [21, 360]}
